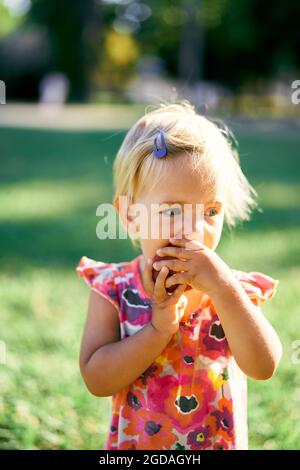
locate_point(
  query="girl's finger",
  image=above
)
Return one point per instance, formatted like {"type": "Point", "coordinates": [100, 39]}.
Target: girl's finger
{"type": "Point", "coordinates": [178, 242]}
{"type": "Point", "coordinates": [149, 283]}
{"type": "Point", "coordinates": [174, 251]}
{"type": "Point", "coordinates": [172, 264]}
{"type": "Point", "coordinates": [178, 278]}
{"type": "Point", "coordinates": [194, 245]}
{"type": "Point", "coordinates": [191, 245]}
{"type": "Point", "coordinates": [159, 286]}
{"type": "Point", "coordinates": [178, 291]}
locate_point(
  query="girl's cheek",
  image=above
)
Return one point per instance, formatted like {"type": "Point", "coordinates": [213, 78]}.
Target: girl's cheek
{"type": "Point", "coordinates": [212, 234]}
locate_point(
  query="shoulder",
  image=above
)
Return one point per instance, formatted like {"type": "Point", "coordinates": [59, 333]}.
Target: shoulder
{"type": "Point", "coordinates": [259, 286]}
{"type": "Point", "coordinates": [108, 279]}
{"type": "Point", "coordinates": [120, 283]}
{"type": "Point", "coordinates": [98, 271]}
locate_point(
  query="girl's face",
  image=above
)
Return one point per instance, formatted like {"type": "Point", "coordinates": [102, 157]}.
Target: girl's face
{"type": "Point", "coordinates": [181, 186]}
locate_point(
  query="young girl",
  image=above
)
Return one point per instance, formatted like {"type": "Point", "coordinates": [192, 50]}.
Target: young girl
{"type": "Point", "coordinates": [174, 350]}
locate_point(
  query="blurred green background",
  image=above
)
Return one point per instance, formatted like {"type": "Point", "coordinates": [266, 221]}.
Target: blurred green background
{"type": "Point", "coordinates": [77, 75]}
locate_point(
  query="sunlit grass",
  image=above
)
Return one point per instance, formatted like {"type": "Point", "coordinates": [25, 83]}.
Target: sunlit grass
{"type": "Point", "coordinates": [37, 200]}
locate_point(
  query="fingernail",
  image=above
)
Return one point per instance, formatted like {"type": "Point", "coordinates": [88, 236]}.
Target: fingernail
{"type": "Point", "coordinates": [159, 251]}
{"type": "Point", "coordinates": [149, 260]}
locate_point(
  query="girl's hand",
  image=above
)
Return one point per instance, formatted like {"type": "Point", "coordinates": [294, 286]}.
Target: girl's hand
{"type": "Point", "coordinates": [196, 265]}
{"type": "Point", "coordinates": [167, 309]}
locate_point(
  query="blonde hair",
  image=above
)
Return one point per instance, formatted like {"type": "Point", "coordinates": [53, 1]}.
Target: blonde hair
{"type": "Point", "coordinates": [211, 147]}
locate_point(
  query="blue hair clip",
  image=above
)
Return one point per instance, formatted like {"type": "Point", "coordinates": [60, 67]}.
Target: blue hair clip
{"type": "Point", "coordinates": [159, 153]}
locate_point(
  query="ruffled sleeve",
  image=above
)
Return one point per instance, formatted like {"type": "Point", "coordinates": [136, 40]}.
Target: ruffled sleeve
{"type": "Point", "coordinates": [259, 286]}
{"type": "Point", "coordinates": [100, 277]}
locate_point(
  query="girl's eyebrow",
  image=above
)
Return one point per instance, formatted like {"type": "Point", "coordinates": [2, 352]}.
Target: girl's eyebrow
{"type": "Point", "coordinates": [218, 201]}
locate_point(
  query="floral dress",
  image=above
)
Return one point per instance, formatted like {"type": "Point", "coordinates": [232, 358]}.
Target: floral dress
{"type": "Point", "coordinates": [194, 395]}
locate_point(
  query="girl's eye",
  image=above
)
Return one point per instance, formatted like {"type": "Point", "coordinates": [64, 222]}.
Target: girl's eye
{"type": "Point", "coordinates": [171, 212]}
{"type": "Point", "coordinates": [211, 212]}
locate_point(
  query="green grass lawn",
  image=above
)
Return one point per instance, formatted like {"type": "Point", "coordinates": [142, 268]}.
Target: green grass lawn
{"type": "Point", "coordinates": [51, 184]}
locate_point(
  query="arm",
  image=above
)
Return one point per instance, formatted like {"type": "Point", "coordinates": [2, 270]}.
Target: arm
{"type": "Point", "coordinates": [107, 364]}
{"type": "Point", "coordinates": [253, 341]}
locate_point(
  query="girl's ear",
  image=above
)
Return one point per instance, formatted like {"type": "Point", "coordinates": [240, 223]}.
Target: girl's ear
{"type": "Point", "coordinates": [116, 203]}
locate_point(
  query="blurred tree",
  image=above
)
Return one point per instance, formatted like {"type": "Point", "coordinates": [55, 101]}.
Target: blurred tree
{"type": "Point", "coordinates": [96, 43]}
{"type": "Point", "coordinates": [176, 32]}
{"type": "Point", "coordinates": [191, 48]}
{"type": "Point", "coordinates": [279, 36]}
{"type": "Point", "coordinates": [119, 52]}
{"type": "Point", "coordinates": [8, 22]}
{"type": "Point", "coordinates": [75, 28]}
{"type": "Point", "coordinates": [252, 40]}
